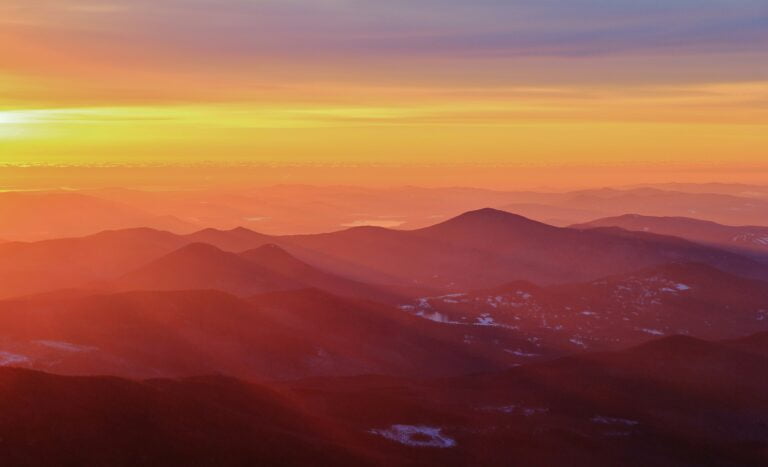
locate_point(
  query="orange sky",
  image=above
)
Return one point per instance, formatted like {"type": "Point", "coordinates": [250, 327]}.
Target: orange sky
{"type": "Point", "coordinates": [519, 83]}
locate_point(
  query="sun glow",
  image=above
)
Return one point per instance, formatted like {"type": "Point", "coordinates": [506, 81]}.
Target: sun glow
{"type": "Point", "coordinates": [142, 82]}
{"type": "Point", "coordinates": [13, 124]}
{"type": "Point", "coordinates": [11, 118]}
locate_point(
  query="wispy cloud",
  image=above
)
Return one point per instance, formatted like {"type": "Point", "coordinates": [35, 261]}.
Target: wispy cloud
{"type": "Point", "coordinates": [243, 30]}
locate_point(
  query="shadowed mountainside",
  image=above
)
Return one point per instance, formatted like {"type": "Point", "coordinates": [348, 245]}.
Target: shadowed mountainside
{"type": "Point", "coordinates": [676, 401]}
{"type": "Point", "coordinates": [280, 335]}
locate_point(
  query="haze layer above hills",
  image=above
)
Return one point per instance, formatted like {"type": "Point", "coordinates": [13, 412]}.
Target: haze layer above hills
{"type": "Point", "coordinates": [290, 209]}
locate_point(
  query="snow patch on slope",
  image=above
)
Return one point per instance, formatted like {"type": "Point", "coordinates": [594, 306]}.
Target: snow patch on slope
{"type": "Point", "coordinates": [602, 420]}
{"type": "Point", "coordinates": [66, 346]}
{"type": "Point", "coordinates": [8, 358]}
{"type": "Point", "coordinates": [416, 436]}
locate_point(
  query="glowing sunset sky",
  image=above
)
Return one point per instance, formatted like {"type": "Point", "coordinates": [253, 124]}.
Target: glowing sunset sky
{"type": "Point", "coordinates": [556, 82]}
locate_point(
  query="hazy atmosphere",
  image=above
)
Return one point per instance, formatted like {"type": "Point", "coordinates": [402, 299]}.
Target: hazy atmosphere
{"type": "Point", "coordinates": [383, 233]}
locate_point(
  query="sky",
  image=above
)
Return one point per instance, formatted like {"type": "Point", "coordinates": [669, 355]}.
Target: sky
{"type": "Point", "coordinates": [633, 84]}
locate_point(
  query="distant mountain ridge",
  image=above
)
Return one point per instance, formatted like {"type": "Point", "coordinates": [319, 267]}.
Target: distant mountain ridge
{"type": "Point", "coordinates": [43, 215]}
{"type": "Point", "coordinates": [478, 249]}
{"type": "Point", "coordinates": [284, 209]}
{"type": "Point", "coordinates": [742, 239]}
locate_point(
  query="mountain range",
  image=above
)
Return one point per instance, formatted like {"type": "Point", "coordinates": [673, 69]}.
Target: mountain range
{"type": "Point", "coordinates": [478, 339]}
{"type": "Point", "coordinates": [478, 249]}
